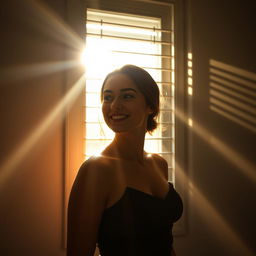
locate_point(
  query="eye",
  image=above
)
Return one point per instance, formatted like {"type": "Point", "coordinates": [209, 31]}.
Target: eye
{"type": "Point", "coordinates": [128, 96]}
{"type": "Point", "coordinates": [107, 98]}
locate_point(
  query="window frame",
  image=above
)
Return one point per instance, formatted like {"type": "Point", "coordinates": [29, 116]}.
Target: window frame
{"type": "Point", "coordinates": [73, 126]}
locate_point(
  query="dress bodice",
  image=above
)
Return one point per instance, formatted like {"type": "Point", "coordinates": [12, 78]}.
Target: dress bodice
{"type": "Point", "coordinates": [139, 224]}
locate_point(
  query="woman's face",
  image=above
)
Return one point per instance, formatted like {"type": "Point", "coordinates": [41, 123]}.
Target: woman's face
{"type": "Point", "coordinates": [123, 106]}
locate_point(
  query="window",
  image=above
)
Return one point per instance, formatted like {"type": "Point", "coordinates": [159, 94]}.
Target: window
{"type": "Point", "coordinates": [113, 40]}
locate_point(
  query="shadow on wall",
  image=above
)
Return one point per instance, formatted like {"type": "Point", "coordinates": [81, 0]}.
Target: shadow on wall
{"type": "Point", "coordinates": [212, 217]}
{"type": "Point", "coordinates": [233, 94]}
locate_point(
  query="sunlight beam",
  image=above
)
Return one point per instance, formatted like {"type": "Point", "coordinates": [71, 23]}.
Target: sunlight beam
{"type": "Point", "coordinates": [233, 93]}
{"type": "Point", "coordinates": [217, 223]}
{"type": "Point", "coordinates": [57, 113]}
{"type": "Point", "coordinates": [247, 168]}
{"type": "Point", "coordinates": [46, 20]}
{"type": "Point", "coordinates": [26, 71]}
{"type": "Point", "coordinates": [238, 71]}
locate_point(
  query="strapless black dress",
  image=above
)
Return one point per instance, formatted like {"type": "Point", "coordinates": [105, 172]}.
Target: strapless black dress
{"type": "Point", "coordinates": [139, 224]}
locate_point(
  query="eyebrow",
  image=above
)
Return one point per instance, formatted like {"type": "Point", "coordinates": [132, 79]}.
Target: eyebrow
{"type": "Point", "coordinates": [122, 90]}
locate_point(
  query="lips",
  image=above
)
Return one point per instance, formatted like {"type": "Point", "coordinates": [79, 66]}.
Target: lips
{"type": "Point", "coordinates": [118, 117]}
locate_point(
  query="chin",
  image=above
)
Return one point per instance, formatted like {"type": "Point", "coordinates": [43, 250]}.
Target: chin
{"type": "Point", "coordinates": [118, 130]}
{"type": "Point", "coordinates": [124, 128]}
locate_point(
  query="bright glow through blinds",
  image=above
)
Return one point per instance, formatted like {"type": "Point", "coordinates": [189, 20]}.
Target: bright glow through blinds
{"type": "Point", "coordinates": [116, 39]}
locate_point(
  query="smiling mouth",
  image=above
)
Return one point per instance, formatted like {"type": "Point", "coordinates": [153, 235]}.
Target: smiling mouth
{"type": "Point", "coordinates": [118, 117]}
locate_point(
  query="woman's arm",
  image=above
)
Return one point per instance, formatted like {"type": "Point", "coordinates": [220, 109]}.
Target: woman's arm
{"type": "Point", "coordinates": [86, 204]}
{"type": "Point", "coordinates": [173, 252]}
{"type": "Point", "coordinates": [163, 170]}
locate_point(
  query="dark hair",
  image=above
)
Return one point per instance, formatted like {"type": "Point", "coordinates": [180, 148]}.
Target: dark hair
{"type": "Point", "coordinates": [146, 85]}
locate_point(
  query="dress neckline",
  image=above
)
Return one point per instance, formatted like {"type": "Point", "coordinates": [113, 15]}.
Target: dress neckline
{"type": "Point", "coordinates": [128, 188]}
{"type": "Point", "coordinates": [149, 195]}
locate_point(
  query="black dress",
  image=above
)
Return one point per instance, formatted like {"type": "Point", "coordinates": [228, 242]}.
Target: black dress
{"type": "Point", "coordinates": [139, 224]}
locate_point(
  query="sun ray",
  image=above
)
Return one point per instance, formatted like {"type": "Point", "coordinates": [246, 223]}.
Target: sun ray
{"type": "Point", "coordinates": [57, 113]}
{"type": "Point", "coordinates": [25, 71]}
{"type": "Point", "coordinates": [218, 224]}
{"type": "Point", "coordinates": [50, 23]}
{"type": "Point", "coordinates": [245, 166]}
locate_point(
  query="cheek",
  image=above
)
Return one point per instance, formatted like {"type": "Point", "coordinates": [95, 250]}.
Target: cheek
{"type": "Point", "coordinates": [104, 109]}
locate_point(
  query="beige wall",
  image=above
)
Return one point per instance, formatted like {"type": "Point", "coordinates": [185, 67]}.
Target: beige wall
{"type": "Point", "coordinates": [31, 190]}
{"type": "Point", "coordinates": [222, 197]}
{"type": "Point", "coordinates": [31, 195]}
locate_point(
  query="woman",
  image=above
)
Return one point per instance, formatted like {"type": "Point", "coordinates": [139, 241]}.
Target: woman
{"type": "Point", "coordinates": [121, 200]}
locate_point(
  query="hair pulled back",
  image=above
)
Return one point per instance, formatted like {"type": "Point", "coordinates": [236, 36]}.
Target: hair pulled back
{"type": "Point", "coordinates": [146, 85]}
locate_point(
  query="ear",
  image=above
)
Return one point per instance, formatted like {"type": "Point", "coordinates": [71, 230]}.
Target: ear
{"type": "Point", "coordinates": [150, 111]}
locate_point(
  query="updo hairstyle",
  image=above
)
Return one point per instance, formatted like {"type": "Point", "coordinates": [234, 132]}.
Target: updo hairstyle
{"type": "Point", "coordinates": [146, 85]}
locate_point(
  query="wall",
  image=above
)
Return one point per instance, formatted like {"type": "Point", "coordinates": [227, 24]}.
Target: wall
{"type": "Point", "coordinates": [32, 84]}
{"type": "Point", "coordinates": [221, 205]}
{"type": "Point", "coordinates": [221, 195]}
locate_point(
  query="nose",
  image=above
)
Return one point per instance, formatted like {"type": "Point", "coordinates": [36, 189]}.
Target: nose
{"type": "Point", "coordinates": [116, 104]}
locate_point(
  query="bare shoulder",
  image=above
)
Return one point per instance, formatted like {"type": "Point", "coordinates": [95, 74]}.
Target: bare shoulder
{"type": "Point", "coordinates": [95, 170]}
{"type": "Point", "coordinates": [87, 202]}
{"type": "Point", "coordinates": [162, 164]}
{"type": "Point", "coordinates": [95, 164]}
{"type": "Point", "coordinates": [160, 160]}
{"type": "Point", "coordinates": [94, 177]}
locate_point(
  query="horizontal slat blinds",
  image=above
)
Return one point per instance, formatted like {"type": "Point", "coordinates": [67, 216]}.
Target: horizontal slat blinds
{"type": "Point", "coordinates": [116, 39]}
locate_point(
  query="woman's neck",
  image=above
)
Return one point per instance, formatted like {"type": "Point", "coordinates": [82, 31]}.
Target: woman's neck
{"type": "Point", "coordinates": [128, 146]}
